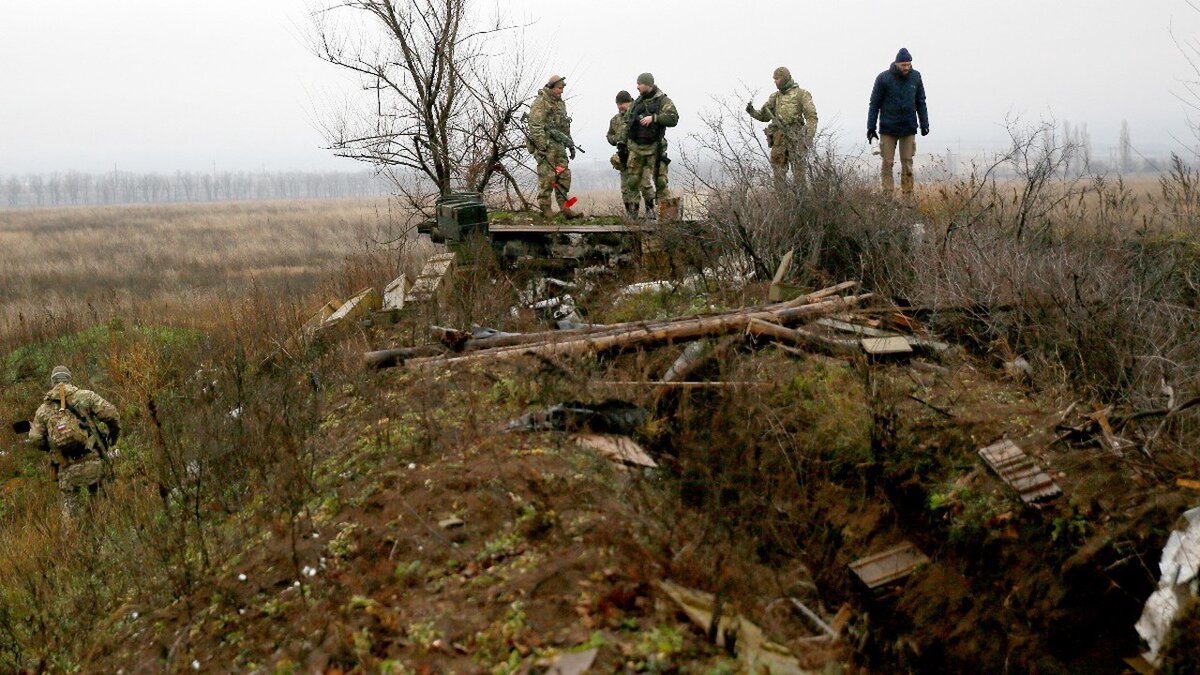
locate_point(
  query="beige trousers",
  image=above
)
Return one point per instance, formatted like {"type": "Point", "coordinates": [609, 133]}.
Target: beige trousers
{"type": "Point", "coordinates": [887, 150]}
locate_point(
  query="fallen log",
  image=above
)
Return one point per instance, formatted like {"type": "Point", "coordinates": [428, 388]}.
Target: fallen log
{"type": "Point", "coordinates": [802, 338]}
{"type": "Point", "coordinates": [387, 358]}
{"type": "Point", "coordinates": [452, 337]}
{"type": "Point", "coordinates": [679, 330]}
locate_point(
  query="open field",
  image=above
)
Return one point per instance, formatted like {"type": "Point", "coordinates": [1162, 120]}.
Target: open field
{"type": "Point", "coordinates": [173, 264]}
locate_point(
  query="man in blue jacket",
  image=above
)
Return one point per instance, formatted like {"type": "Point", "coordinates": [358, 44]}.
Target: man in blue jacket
{"type": "Point", "coordinates": [897, 105]}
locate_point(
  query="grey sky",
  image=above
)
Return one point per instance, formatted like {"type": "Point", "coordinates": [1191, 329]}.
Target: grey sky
{"type": "Point", "coordinates": [160, 85]}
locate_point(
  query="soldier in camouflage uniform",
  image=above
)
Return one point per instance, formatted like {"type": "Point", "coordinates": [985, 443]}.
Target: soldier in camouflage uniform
{"type": "Point", "coordinates": [618, 135]}
{"type": "Point", "coordinates": [82, 476]}
{"type": "Point", "coordinates": [792, 124]}
{"type": "Point", "coordinates": [651, 114]}
{"type": "Point", "coordinates": [550, 142]}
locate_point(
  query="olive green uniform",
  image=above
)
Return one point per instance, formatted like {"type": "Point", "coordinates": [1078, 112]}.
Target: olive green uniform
{"type": "Point", "coordinates": [618, 136]}
{"type": "Point", "coordinates": [549, 136]}
{"type": "Point", "coordinates": [647, 144]}
{"type": "Point", "coordinates": [82, 475]}
{"type": "Point", "coordinates": [792, 119]}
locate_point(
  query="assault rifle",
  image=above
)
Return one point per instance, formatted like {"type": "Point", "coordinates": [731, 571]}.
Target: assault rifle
{"type": "Point", "coordinates": [565, 140]}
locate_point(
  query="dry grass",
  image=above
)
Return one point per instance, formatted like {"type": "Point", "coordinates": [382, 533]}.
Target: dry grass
{"type": "Point", "coordinates": [170, 263]}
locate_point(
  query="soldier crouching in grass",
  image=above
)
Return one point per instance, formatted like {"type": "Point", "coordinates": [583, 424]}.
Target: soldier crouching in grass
{"type": "Point", "coordinates": [78, 428]}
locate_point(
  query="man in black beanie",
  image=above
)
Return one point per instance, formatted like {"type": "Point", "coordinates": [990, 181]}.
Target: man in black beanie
{"type": "Point", "coordinates": [898, 107]}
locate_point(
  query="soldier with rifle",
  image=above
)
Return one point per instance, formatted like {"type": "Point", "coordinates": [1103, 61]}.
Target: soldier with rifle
{"type": "Point", "coordinates": [792, 124]}
{"type": "Point", "coordinates": [550, 142]}
{"type": "Point", "coordinates": [618, 136]}
{"type": "Point", "coordinates": [649, 117]}
{"type": "Point", "coordinates": [79, 429]}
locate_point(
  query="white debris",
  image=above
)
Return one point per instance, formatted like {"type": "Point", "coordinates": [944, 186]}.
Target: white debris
{"type": "Point", "coordinates": [412, 465]}
{"type": "Point", "coordinates": [1180, 567]}
{"type": "Point", "coordinates": [235, 413]}
{"type": "Point", "coordinates": [309, 571]}
{"type": "Point", "coordinates": [241, 577]}
{"type": "Point", "coordinates": [196, 664]}
{"type": "Point", "coordinates": [296, 584]}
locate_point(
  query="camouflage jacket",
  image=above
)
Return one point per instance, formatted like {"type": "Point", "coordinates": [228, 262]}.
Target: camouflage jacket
{"type": "Point", "coordinates": [549, 124]}
{"type": "Point", "coordinates": [790, 112]}
{"type": "Point", "coordinates": [618, 128]}
{"type": "Point", "coordinates": [657, 105]}
{"type": "Point", "coordinates": [90, 405]}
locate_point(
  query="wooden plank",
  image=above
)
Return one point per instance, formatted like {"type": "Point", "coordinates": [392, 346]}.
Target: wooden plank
{"type": "Point", "coordinates": [433, 278]}
{"type": "Point", "coordinates": [393, 295]}
{"type": "Point", "coordinates": [616, 448]}
{"type": "Point", "coordinates": [886, 346]}
{"type": "Point", "coordinates": [775, 293]}
{"type": "Point", "coordinates": [1019, 471]}
{"type": "Point", "coordinates": [885, 567]}
{"type": "Point", "coordinates": [366, 300]}
{"type": "Point", "coordinates": [847, 327]}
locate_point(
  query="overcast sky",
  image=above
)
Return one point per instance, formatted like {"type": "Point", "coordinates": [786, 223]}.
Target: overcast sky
{"type": "Point", "coordinates": [165, 85]}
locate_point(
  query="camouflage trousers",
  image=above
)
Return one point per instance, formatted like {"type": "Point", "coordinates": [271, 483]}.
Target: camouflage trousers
{"type": "Point", "coordinates": [548, 176]}
{"type": "Point", "coordinates": [791, 154]}
{"type": "Point", "coordinates": [640, 168]}
{"type": "Point", "coordinates": [78, 482]}
{"type": "Point", "coordinates": [647, 189]}
{"type": "Point", "coordinates": [887, 152]}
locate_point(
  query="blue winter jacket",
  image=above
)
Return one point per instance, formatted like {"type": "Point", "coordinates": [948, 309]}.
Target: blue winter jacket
{"type": "Point", "coordinates": [897, 102]}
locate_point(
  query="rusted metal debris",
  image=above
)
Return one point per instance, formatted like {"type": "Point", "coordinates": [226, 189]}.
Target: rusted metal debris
{"type": "Point", "coordinates": [886, 567]}
{"type": "Point", "coordinates": [1020, 472]}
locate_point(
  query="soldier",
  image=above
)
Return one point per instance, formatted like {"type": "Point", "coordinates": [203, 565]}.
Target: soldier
{"type": "Point", "coordinates": [651, 114]}
{"type": "Point", "coordinates": [550, 142]}
{"type": "Point", "coordinates": [68, 425]}
{"type": "Point", "coordinates": [898, 106]}
{"type": "Point", "coordinates": [618, 135]}
{"type": "Point", "coordinates": [792, 124]}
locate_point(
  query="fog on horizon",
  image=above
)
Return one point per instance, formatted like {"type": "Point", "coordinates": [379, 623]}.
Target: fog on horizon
{"type": "Point", "coordinates": [147, 86]}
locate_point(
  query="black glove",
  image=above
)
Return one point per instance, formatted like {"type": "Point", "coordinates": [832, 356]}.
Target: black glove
{"type": "Point", "coordinates": [750, 107]}
{"type": "Point", "coordinates": [924, 131]}
{"type": "Point", "coordinates": [571, 151]}
{"type": "Point", "coordinates": [871, 135]}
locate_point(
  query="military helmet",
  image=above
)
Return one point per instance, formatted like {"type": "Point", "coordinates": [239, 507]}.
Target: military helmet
{"type": "Point", "coordinates": [59, 374]}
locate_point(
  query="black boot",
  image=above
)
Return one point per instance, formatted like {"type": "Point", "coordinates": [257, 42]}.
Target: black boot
{"type": "Point", "coordinates": [651, 212]}
{"type": "Point", "coordinates": [631, 210]}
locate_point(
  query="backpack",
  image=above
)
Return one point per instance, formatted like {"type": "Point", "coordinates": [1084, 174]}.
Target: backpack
{"type": "Point", "coordinates": [64, 430]}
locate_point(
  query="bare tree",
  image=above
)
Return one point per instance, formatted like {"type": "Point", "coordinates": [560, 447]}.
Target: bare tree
{"type": "Point", "coordinates": [445, 94]}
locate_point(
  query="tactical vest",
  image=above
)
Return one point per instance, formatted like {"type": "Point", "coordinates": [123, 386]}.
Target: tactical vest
{"type": "Point", "coordinates": [647, 135]}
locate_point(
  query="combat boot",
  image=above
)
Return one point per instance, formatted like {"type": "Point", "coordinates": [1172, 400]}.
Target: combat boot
{"type": "Point", "coordinates": [571, 215]}
{"type": "Point", "coordinates": [631, 210]}
{"type": "Point", "coordinates": [651, 212]}
{"type": "Point", "coordinates": [547, 212]}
